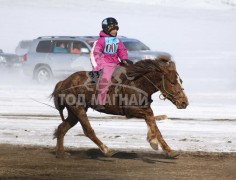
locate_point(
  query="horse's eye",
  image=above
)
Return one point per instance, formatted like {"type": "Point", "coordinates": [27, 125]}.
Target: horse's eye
{"type": "Point", "coordinates": [172, 84]}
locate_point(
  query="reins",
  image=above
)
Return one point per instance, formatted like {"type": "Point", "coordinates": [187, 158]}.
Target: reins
{"type": "Point", "coordinates": [172, 96]}
{"type": "Point", "coordinates": [164, 86]}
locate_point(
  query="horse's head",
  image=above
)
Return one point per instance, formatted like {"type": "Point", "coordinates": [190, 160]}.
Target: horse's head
{"type": "Point", "coordinates": [167, 80]}
{"type": "Point", "coordinates": [171, 84]}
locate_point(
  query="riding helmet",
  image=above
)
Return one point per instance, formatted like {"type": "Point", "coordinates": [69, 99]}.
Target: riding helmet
{"type": "Point", "coordinates": [109, 24]}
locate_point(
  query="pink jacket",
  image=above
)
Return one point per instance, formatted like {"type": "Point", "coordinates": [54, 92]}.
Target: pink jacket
{"type": "Point", "coordinates": [107, 50]}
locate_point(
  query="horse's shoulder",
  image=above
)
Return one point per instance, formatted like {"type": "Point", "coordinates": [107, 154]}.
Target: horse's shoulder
{"type": "Point", "coordinates": [119, 70]}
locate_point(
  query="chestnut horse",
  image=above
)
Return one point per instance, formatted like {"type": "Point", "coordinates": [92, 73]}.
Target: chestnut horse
{"type": "Point", "coordinates": [129, 95]}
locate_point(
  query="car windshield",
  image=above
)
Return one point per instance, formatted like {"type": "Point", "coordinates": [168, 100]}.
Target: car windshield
{"type": "Point", "coordinates": [91, 42]}
{"type": "Point", "coordinates": [130, 45]}
{"type": "Point", "coordinates": [135, 46]}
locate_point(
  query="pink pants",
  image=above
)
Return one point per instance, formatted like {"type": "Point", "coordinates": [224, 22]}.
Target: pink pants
{"type": "Point", "coordinates": [104, 81]}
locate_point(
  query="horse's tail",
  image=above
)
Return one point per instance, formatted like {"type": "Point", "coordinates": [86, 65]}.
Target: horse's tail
{"type": "Point", "coordinates": [58, 101]}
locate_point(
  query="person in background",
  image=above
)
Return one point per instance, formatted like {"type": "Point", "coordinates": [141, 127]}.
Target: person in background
{"type": "Point", "coordinates": [61, 48]}
{"type": "Point", "coordinates": [76, 51]}
{"type": "Point", "coordinates": [77, 48]}
{"type": "Point", "coordinates": [107, 53]}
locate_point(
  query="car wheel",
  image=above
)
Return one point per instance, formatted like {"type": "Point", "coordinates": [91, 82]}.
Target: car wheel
{"type": "Point", "coordinates": [43, 75]}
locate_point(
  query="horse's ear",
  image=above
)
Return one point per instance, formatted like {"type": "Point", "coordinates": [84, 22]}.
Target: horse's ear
{"type": "Point", "coordinates": [165, 58]}
{"type": "Point", "coordinates": [165, 62]}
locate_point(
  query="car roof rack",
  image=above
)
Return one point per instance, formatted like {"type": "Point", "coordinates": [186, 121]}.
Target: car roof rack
{"type": "Point", "coordinates": [42, 37]}
{"type": "Point", "coordinates": [96, 37]}
{"type": "Point", "coordinates": [88, 37]}
{"type": "Point", "coordinates": [73, 37]}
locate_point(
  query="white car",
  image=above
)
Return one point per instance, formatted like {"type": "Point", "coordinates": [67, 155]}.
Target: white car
{"type": "Point", "coordinates": [53, 56]}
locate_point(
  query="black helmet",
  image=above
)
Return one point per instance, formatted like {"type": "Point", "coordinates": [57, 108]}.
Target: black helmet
{"type": "Point", "coordinates": [109, 24]}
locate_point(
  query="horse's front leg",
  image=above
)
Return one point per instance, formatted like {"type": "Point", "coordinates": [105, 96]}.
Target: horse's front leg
{"type": "Point", "coordinates": [154, 137]}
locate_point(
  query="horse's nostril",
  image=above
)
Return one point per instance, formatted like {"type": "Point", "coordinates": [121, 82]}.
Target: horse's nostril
{"type": "Point", "coordinates": [184, 104]}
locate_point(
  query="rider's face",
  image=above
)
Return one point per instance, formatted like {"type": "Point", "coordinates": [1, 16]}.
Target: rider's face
{"type": "Point", "coordinates": [113, 32]}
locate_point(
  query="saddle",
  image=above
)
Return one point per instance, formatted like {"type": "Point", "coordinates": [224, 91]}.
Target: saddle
{"type": "Point", "coordinates": [95, 75]}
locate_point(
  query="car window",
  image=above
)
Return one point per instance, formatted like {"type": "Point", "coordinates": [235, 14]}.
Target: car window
{"type": "Point", "coordinates": [61, 46]}
{"type": "Point", "coordinates": [78, 47]}
{"type": "Point", "coordinates": [44, 46]}
{"type": "Point", "coordinates": [135, 46]}
{"type": "Point", "coordinates": [25, 44]}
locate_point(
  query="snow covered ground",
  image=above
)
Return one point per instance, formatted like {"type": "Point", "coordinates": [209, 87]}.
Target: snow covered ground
{"type": "Point", "coordinates": [199, 34]}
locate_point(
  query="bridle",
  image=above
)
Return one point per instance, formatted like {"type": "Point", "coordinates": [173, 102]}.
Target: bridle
{"type": "Point", "coordinates": [168, 95]}
{"type": "Point", "coordinates": [164, 86]}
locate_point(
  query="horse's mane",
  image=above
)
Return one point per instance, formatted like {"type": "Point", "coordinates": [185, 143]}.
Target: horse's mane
{"type": "Point", "coordinates": [126, 75]}
{"type": "Point", "coordinates": [145, 66]}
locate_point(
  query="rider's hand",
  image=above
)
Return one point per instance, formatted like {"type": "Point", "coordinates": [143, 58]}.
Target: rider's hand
{"type": "Point", "coordinates": [126, 62]}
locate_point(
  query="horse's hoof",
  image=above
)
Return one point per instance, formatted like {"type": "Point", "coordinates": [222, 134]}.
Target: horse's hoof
{"type": "Point", "coordinates": [111, 152]}
{"type": "Point", "coordinates": [172, 154]}
{"type": "Point", "coordinates": [154, 146]}
{"type": "Point", "coordinates": [107, 151]}
{"type": "Point", "coordinates": [63, 155]}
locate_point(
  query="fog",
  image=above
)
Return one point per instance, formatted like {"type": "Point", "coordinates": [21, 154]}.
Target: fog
{"type": "Point", "coordinates": [200, 35]}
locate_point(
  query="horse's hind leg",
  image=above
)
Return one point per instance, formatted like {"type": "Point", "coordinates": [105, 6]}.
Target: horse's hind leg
{"type": "Point", "coordinates": [89, 132]}
{"type": "Point", "coordinates": [154, 137]}
{"type": "Point", "coordinates": [60, 132]}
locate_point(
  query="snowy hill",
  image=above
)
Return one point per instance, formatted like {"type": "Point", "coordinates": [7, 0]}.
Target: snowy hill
{"type": "Point", "coordinates": [200, 4]}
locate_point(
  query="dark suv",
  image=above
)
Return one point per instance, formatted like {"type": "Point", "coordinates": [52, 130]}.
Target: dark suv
{"type": "Point", "coordinates": [57, 56]}
{"type": "Point", "coordinates": [8, 60]}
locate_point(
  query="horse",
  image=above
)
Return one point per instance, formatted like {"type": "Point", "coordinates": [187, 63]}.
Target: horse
{"type": "Point", "coordinates": [129, 95]}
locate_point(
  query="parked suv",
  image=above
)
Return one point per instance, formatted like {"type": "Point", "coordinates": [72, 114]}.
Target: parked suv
{"type": "Point", "coordinates": [50, 57]}
{"type": "Point", "coordinates": [57, 56]}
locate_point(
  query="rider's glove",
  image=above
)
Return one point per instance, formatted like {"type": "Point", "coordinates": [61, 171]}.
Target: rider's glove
{"type": "Point", "coordinates": [126, 62]}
